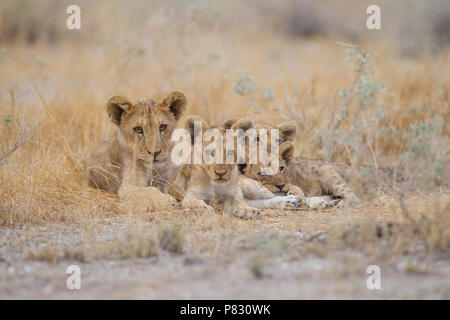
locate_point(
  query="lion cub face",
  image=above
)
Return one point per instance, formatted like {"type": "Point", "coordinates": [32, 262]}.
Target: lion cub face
{"type": "Point", "coordinates": [276, 182]}
{"type": "Point", "coordinates": [286, 134]}
{"type": "Point", "coordinates": [145, 127]}
{"type": "Point", "coordinates": [220, 172]}
{"type": "Point", "coordinates": [222, 164]}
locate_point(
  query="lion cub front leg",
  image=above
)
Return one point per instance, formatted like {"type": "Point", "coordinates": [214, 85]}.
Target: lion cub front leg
{"type": "Point", "coordinates": [236, 205]}
{"type": "Point", "coordinates": [298, 192]}
{"type": "Point", "coordinates": [315, 203]}
{"type": "Point", "coordinates": [277, 202]}
{"type": "Point", "coordinates": [135, 196]}
{"type": "Point", "coordinates": [332, 182]}
{"type": "Point", "coordinates": [253, 190]}
{"type": "Point", "coordinates": [258, 196]}
{"type": "Point", "coordinates": [192, 201]}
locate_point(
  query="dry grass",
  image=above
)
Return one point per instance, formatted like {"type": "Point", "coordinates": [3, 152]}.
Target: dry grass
{"type": "Point", "coordinates": [136, 239]}
{"type": "Point", "coordinates": [52, 99]}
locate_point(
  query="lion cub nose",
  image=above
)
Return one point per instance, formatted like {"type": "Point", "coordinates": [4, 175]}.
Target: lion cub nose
{"type": "Point", "coordinates": [155, 154]}
{"type": "Point", "coordinates": [220, 173]}
{"type": "Point", "coordinates": [280, 186]}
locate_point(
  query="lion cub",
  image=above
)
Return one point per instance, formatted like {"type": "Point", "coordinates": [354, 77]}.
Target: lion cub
{"type": "Point", "coordinates": [134, 162]}
{"type": "Point", "coordinates": [253, 181]}
{"type": "Point", "coordinates": [279, 183]}
{"type": "Point", "coordinates": [204, 184]}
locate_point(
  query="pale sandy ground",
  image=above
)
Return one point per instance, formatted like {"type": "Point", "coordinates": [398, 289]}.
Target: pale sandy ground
{"type": "Point", "coordinates": [194, 275]}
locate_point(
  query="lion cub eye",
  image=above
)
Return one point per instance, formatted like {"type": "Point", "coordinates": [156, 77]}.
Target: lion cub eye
{"type": "Point", "coordinates": [138, 130]}
{"type": "Point", "coordinates": [162, 127]}
{"type": "Point", "coordinates": [282, 168]}
{"type": "Point", "coordinates": [262, 174]}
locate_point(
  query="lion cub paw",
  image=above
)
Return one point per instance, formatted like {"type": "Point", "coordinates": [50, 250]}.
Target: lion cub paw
{"type": "Point", "coordinates": [286, 202]}
{"type": "Point", "coordinates": [291, 202]}
{"type": "Point", "coordinates": [350, 201]}
{"type": "Point", "coordinates": [297, 192]}
{"type": "Point", "coordinates": [160, 200]}
{"type": "Point", "coordinates": [196, 204]}
{"type": "Point", "coordinates": [317, 203]}
{"type": "Point", "coordinates": [144, 200]}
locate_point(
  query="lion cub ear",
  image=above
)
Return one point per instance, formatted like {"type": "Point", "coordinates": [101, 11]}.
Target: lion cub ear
{"type": "Point", "coordinates": [174, 103]}
{"type": "Point", "coordinates": [228, 123]}
{"type": "Point", "coordinates": [287, 150]}
{"type": "Point", "coordinates": [190, 123]}
{"type": "Point", "coordinates": [115, 108]}
{"type": "Point", "coordinates": [244, 124]}
{"type": "Point", "coordinates": [288, 131]}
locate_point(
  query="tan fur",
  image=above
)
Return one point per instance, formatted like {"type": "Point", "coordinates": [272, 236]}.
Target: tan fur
{"type": "Point", "coordinates": [206, 184]}
{"type": "Point", "coordinates": [317, 177]}
{"type": "Point", "coordinates": [278, 182]}
{"type": "Point", "coordinates": [254, 186]}
{"type": "Point", "coordinates": [134, 162]}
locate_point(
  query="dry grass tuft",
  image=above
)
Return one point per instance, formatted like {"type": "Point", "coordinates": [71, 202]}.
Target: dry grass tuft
{"type": "Point", "coordinates": [136, 239]}
{"type": "Point", "coordinates": [171, 238]}
{"type": "Point", "coordinates": [46, 253]}
{"type": "Point", "coordinates": [134, 242]}
{"type": "Point", "coordinates": [425, 233]}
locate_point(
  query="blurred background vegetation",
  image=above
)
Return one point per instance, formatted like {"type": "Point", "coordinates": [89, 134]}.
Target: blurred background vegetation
{"type": "Point", "coordinates": [412, 25]}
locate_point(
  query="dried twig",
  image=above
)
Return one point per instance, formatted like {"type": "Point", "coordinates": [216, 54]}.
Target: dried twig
{"type": "Point", "coordinates": [353, 46]}
{"type": "Point", "coordinates": [24, 138]}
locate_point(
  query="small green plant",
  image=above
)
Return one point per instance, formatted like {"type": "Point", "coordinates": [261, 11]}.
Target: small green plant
{"type": "Point", "coordinates": [425, 144]}
{"type": "Point", "coordinates": [245, 85]}
{"type": "Point", "coordinates": [268, 94]}
{"type": "Point", "coordinates": [360, 100]}
{"type": "Point", "coordinates": [426, 150]}
{"type": "Point", "coordinates": [6, 118]}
